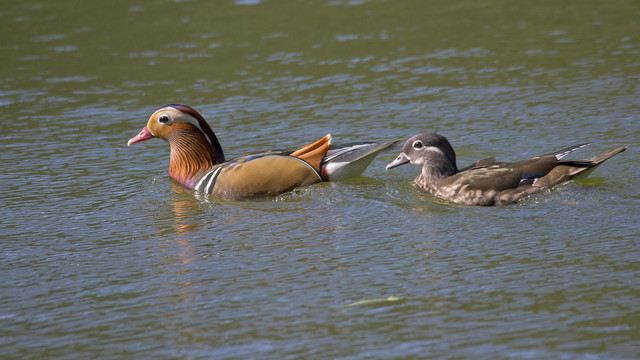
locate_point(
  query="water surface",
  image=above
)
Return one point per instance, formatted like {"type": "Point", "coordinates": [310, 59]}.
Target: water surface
{"type": "Point", "coordinates": [103, 256]}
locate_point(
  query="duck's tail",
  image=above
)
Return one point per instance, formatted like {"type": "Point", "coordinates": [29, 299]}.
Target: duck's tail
{"type": "Point", "coordinates": [575, 169]}
{"type": "Point", "coordinates": [349, 160]}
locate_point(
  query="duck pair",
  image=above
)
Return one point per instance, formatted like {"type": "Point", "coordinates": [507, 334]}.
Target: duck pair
{"type": "Point", "coordinates": [198, 162]}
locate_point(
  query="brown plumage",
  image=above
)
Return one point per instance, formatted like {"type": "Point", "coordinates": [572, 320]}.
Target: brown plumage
{"type": "Point", "coordinates": [488, 182]}
{"type": "Point", "coordinates": [190, 153]}
{"type": "Point", "coordinates": [198, 162]}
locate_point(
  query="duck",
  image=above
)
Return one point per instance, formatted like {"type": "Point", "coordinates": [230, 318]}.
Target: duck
{"type": "Point", "coordinates": [198, 162]}
{"type": "Point", "coordinates": [488, 182]}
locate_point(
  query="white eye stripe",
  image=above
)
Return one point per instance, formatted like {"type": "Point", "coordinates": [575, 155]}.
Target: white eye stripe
{"type": "Point", "coordinates": [419, 145]}
{"type": "Point", "coordinates": [191, 120]}
{"type": "Point", "coordinates": [175, 115]}
{"type": "Point", "coordinates": [434, 149]}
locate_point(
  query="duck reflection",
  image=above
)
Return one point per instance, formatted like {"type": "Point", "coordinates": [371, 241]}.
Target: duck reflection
{"type": "Point", "coordinates": [183, 204]}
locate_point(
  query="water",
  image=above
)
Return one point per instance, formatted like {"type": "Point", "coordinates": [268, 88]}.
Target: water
{"type": "Point", "coordinates": [102, 256]}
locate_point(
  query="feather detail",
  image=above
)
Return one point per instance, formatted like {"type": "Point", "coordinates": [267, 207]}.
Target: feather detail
{"type": "Point", "coordinates": [313, 153]}
{"type": "Point", "coordinates": [204, 127]}
{"type": "Point", "coordinates": [191, 155]}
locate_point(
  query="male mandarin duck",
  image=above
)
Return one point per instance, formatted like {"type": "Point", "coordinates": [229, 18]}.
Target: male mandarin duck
{"type": "Point", "coordinates": [488, 182]}
{"type": "Point", "coordinates": [198, 162]}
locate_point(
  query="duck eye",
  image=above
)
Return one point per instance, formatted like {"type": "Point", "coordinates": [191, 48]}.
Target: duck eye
{"type": "Point", "coordinates": [164, 119]}
{"type": "Point", "coordinates": [417, 144]}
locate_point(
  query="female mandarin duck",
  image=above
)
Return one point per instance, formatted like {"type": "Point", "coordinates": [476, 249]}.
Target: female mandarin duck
{"type": "Point", "coordinates": [488, 182]}
{"type": "Point", "coordinates": [197, 160]}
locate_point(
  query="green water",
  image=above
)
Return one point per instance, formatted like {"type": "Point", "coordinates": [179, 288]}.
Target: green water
{"type": "Point", "coordinates": [102, 256]}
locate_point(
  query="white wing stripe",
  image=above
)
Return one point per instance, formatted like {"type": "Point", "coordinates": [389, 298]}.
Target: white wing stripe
{"type": "Point", "coordinates": [212, 181]}
{"type": "Point", "coordinates": [197, 187]}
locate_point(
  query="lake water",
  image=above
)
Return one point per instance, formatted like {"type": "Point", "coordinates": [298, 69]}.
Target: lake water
{"type": "Point", "coordinates": [102, 256]}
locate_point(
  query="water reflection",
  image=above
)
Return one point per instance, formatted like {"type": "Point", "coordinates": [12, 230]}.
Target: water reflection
{"type": "Point", "coordinates": [183, 207]}
{"type": "Point", "coordinates": [95, 250]}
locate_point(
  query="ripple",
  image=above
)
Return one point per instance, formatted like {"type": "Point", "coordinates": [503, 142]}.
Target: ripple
{"type": "Point", "coordinates": [99, 243]}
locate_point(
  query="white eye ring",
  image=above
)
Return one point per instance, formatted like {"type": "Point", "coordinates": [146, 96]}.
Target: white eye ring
{"type": "Point", "coordinates": [164, 119]}
{"type": "Point", "coordinates": [417, 145]}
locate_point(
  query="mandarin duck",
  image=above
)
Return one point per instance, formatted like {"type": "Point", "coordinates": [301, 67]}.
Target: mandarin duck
{"type": "Point", "coordinates": [488, 182]}
{"type": "Point", "coordinates": [198, 162]}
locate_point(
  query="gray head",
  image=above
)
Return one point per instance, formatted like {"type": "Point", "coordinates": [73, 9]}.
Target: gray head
{"type": "Point", "coordinates": [430, 151]}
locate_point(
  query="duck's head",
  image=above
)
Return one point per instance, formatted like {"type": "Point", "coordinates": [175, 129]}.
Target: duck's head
{"type": "Point", "coordinates": [181, 126]}
{"type": "Point", "coordinates": [430, 151]}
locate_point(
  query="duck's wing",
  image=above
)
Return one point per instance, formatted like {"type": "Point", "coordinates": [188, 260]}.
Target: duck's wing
{"type": "Point", "coordinates": [257, 176]}
{"type": "Point", "coordinates": [571, 169]}
{"type": "Point", "coordinates": [480, 164]}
